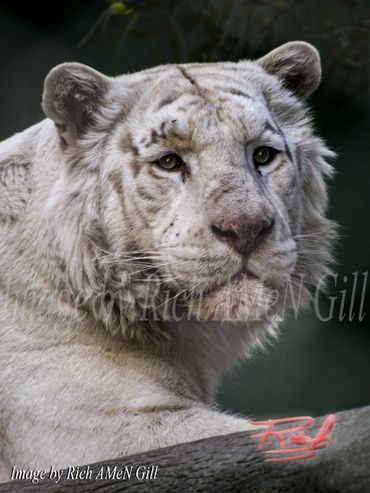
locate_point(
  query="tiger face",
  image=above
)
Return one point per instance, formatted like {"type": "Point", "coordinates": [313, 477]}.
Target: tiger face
{"type": "Point", "coordinates": [209, 177]}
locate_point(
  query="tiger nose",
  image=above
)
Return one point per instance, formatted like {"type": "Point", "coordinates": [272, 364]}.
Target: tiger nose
{"type": "Point", "coordinates": [244, 235]}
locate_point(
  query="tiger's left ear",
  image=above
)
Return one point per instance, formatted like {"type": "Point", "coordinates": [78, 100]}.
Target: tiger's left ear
{"type": "Point", "coordinates": [297, 64]}
{"type": "Point", "coordinates": [73, 93]}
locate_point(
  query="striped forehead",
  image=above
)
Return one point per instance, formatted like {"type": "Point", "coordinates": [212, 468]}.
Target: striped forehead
{"type": "Point", "coordinates": [204, 114]}
{"type": "Point", "coordinates": [212, 86]}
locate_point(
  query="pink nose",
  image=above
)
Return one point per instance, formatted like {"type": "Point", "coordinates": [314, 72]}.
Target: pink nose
{"type": "Point", "coordinates": [244, 235]}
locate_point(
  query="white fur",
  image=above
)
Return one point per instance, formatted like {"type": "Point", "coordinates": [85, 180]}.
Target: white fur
{"type": "Point", "coordinates": [80, 382]}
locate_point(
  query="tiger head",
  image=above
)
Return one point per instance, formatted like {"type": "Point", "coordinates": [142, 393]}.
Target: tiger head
{"type": "Point", "coordinates": [202, 183]}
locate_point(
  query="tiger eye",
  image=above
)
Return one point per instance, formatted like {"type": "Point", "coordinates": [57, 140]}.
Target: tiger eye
{"type": "Point", "coordinates": [264, 155]}
{"type": "Point", "coordinates": [170, 162]}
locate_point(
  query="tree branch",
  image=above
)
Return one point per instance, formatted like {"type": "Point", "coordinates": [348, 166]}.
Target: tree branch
{"type": "Point", "coordinates": [232, 463]}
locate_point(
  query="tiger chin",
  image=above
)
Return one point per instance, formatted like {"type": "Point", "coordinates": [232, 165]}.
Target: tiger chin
{"type": "Point", "coordinates": [150, 228]}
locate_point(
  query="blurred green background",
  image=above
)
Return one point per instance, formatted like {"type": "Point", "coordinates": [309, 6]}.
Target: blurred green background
{"type": "Point", "coordinates": [316, 367]}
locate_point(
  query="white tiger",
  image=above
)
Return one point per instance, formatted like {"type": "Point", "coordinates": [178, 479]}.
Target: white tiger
{"type": "Point", "coordinates": [148, 229]}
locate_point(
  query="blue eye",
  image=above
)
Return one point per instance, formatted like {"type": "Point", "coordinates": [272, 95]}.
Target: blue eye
{"type": "Point", "coordinates": [264, 155]}
{"type": "Point", "coordinates": [170, 162]}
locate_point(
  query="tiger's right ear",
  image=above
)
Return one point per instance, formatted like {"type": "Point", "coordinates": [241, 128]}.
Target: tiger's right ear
{"type": "Point", "coordinates": [297, 64]}
{"type": "Point", "coordinates": [72, 95]}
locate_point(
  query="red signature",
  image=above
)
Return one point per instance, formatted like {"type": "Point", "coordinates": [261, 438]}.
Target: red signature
{"type": "Point", "coordinates": [305, 446]}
